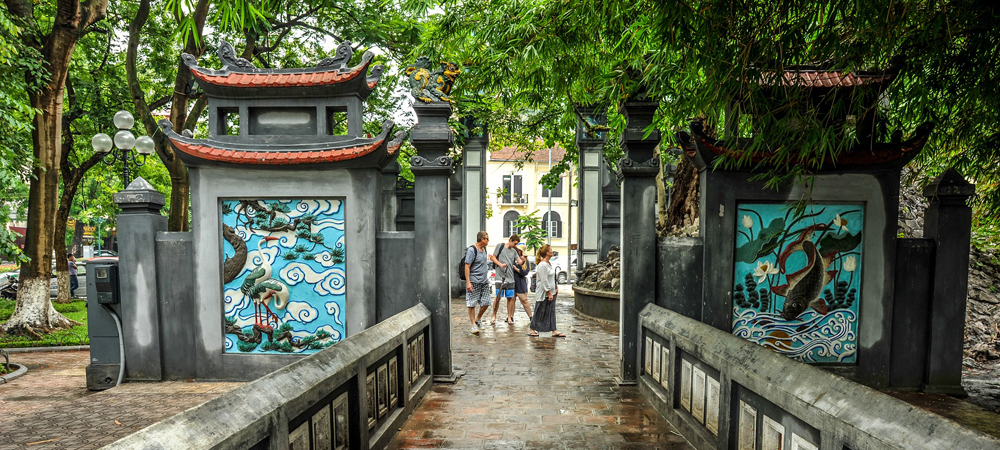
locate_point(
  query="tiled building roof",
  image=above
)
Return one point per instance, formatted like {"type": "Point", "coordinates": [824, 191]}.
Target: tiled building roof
{"type": "Point", "coordinates": [814, 78]}
{"type": "Point", "coordinates": [277, 79]}
{"type": "Point", "coordinates": [511, 153]}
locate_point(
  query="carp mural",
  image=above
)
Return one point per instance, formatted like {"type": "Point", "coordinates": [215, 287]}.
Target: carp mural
{"type": "Point", "coordinates": [798, 279]}
{"type": "Point", "coordinates": [284, 280]}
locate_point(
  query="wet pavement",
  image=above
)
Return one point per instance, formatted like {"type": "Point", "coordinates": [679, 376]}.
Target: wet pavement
{"type": "Point", "coordinates": [521, 392]}
{"type": "Point", "coordinates": [49, 407]}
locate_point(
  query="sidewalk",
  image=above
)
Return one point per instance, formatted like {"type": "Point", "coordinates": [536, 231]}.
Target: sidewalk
{"type": "Point", "coordinates": [523, 392]}
{"type": "Point", "coordinates": [50, 407]}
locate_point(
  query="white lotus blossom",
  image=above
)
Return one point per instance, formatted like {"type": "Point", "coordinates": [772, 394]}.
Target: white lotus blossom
{"type": "Point", "coordinates": [842, 223]}
{"type": "Point", "coordinates": [850, 264]}
{"type": "Point", "coordinates": [747, 222]}
{"type": "Point", "coordinates": [763, 270]}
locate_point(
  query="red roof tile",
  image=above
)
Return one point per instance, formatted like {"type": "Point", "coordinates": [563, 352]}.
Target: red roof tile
{"type": "Point", "coordinates": [272, 79]}
{"type": "Point", "coordinates": [511, 153]}
{"type": "Point", "coordinates": [276, 158]}
{"type": "Point", "coordinates": [825, 78]}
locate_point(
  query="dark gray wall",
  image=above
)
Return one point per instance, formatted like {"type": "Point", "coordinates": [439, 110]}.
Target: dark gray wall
{"type": "Point", "coordinates": [396, 290]}
{"type": "Point", "coordinates": [804, 398]}
{"type": "Point", "coordinates": [174, 252]}
{"type": "Point", "coordinates": [910, 317]}
{"type": "Point", "coordinates": [268, 409]}
{"type": "Point", "coordinates": [722, 191]}
{"type": "Point", "coordinates": [137, 278]}
{"type": "Point", "coordinates": [611, 219]}
{"type": "Point", "coordinates": [679, 275]}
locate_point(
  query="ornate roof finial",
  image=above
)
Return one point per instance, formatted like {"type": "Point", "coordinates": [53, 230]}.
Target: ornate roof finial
{"type": "Point", "coordinates": [228, 56]}
{"type": "Point", "coordinates": [341, 58]}
{"type": "Point", "coordinates": [431, 87]}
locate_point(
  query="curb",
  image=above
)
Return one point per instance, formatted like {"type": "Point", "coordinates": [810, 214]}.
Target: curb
{"type": "Point", "coordinates": [21, 370]}
{"type": "Point", "coordinates": [66, 348]}
{"type": "Point", "coordinates": [594, 319]}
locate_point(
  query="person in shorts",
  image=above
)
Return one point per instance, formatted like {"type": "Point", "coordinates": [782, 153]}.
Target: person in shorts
{"type": "Point", "coordinates": [506, 253]}
{"type": "Point", "coordinates": [477, 283]}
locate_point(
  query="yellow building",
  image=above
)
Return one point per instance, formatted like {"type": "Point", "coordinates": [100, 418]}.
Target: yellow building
{"type": "Point", "coordinates": [512, 192]}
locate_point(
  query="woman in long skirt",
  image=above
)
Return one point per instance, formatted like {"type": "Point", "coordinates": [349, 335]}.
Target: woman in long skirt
{"type": "Point", "coordinates": [544, 318]}
{"type": "Point", "coordinates": [520, 285]}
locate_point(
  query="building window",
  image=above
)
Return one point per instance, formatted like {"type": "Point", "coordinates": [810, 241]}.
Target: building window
{"type": "Point", "coordinates": [512, 190]}
{"type": "Point", "coordinates": [554, 226]}
{"type": "Point", "coordinates": [555, 192]}
{"type": "Point", "coordinates": [508, 224]}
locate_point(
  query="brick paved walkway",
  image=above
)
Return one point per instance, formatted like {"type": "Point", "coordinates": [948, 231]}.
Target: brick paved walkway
{"type": "Point", "coordinates": [50, 407]}
{"type": "Point", "coordinates": [536, 393]}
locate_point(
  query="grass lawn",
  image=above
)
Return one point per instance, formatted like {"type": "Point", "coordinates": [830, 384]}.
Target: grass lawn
{"type": "Point", "coordinates": [77, 335]}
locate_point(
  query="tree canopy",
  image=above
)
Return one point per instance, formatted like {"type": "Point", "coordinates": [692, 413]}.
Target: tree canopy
{"type": "Point", "coordinates": [527, 63]}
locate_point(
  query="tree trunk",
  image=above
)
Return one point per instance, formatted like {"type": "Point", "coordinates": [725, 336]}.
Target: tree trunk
{"type": "Point", "coordinates": [33, 313]}
{"type": "Point", "coordinates": [77, 248]}
{"type": "Point", "coordinates": [180, 191]}
{"type": "Point", "coordinates": [682, 216]}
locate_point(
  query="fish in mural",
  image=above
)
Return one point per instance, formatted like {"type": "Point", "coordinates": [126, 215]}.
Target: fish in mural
{"type": "Point", "coordinates": [805, 285]}
{"type": "Point", "coordinates": [797, 279]}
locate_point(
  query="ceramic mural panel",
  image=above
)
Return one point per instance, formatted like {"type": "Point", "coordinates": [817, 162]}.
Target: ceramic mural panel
{"type": "Point", "coordinates": [798, 279]}
{"type": "Point", "coordinates": [289, 293]}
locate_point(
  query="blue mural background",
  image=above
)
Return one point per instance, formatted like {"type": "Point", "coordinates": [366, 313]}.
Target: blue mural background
{"type": "Point", "coordinates": [773, 244]}
{"type": "Point", "coordinates": [303, 242]}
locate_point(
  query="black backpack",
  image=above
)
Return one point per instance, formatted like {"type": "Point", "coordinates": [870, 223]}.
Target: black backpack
{"type": "Point", "coordinates": [461, 264]}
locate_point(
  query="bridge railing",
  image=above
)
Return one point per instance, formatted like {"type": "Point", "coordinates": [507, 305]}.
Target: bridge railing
{"type": "Point", "coordinates": [721, 391]}
{"type": "Point", "coordinates": [353, 395]}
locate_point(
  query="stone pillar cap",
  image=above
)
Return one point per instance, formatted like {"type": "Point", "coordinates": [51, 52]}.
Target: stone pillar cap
{"type": "Point", "coordinates": [140, 195]}
{"type": "Point", "coordinates": [949, 184]}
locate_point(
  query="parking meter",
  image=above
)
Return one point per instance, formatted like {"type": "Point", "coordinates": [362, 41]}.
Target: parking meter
{"type": "Point", "coordinates": [103, 324]}
{"type": "Point", "coordinates": [106, 283]}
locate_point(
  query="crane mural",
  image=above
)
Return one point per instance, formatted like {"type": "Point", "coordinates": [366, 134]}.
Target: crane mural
{"type": "Point", "coordinates": [288, 296]}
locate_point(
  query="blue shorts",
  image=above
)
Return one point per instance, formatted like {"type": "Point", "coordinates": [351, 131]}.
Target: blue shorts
{"type": "Point", "coordinates": [506, 293]}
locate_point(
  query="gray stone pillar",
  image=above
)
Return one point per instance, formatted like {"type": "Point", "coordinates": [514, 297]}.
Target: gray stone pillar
{"type": "Point", "coordinates": [138, 224]}
{"type": "Point", "coordinates": [611, 216]}
{"type": "Point", "coordinates": [474, 181]}
{"type": "Point", "coordinates": [432, 170]}
{"type": "Point", "coordinates": [456, 232]}
{"type": "Point", "coordinates": [591, 148]}
{"type": "Point", "coordinates": [387, 186]}
{"type": "Point", "coordinates": [638, 229]}
{"type": "Point", "coordinates": [948, 222]}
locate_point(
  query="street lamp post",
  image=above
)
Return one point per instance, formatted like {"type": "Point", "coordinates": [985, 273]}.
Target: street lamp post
{"type": "Point", "coordinates": [120, 148]}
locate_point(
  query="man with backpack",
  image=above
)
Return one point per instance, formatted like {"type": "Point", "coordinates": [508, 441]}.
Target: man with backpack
{"type": "Point", "coordinates": [477, 283]}
{"type": "Point", "coordinates": [506, 253]}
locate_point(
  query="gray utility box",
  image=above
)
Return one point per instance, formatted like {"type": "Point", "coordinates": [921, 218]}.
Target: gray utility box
{"type": "Point", "coordinates": [103, 291]}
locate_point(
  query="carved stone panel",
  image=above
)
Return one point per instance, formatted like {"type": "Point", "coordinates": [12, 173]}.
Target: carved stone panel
{"type": "Point", "coordinates": [284, 275]}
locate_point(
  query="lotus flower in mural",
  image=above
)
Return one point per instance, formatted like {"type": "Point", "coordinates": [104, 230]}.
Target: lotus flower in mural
{"type": "Point", "coordinates": [747, 222]}
{"type": "Point", "coordinates": [850, 264]}
{"type": "Point", "coordinates": [764, 269]}
{"type": "Point", "coordinates": [841, 222]}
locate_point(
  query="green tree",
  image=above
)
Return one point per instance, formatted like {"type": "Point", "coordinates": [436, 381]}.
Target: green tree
{"type": "Point", "coordinates": [529, 62]}
{"type": "Point", "coordinates": [51, 32]}
{"type": "Point", "coordinates": [529, 227]}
